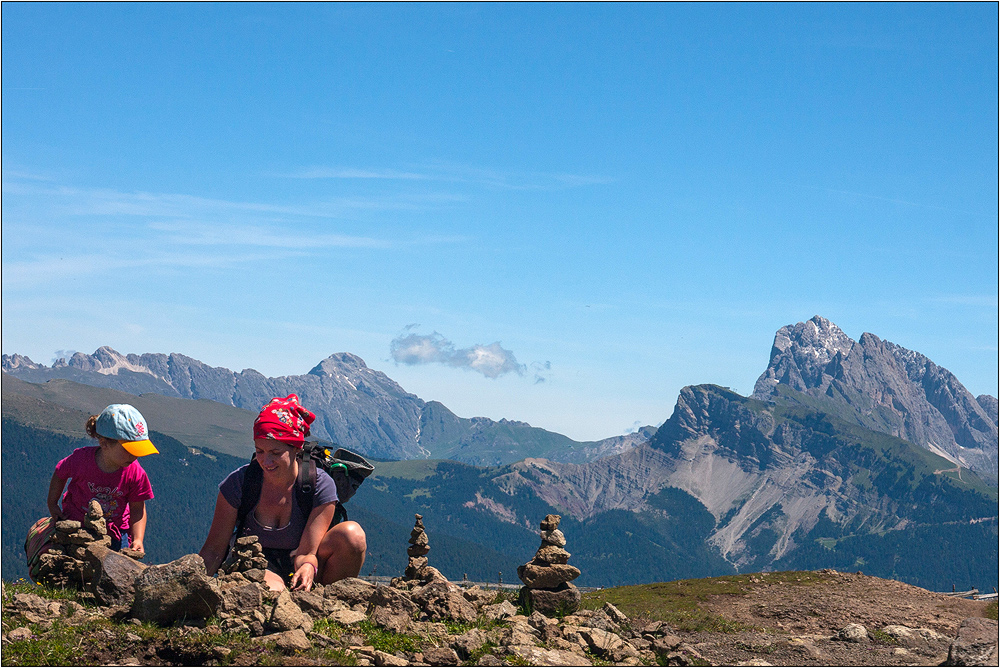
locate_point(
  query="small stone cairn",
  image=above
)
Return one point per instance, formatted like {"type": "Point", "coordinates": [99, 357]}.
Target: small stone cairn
{"type": "Point", "coordinates": [75, 544]}
{"type": "Point", "coordinates": [245, 555]}
{"type": "Point", "coordinates": [547, 576]}
{"type": "Point", "coordinates": [416, 567]}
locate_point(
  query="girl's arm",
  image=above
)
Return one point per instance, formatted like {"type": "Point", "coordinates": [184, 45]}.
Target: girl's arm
{"type": "Point", "coordinates": [56, 486]}
{"type": "Point", "coordinates": [223, 525]}
{"type": "Point", "coordinates": [137, 524]}
{"type": "Point", "coordinates": [305, 562]}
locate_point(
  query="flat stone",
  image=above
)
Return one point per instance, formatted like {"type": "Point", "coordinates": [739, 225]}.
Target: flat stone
{"type": "Point", "coordinates": [176, 590]}
{"type": "Point", "coordinates": [551, 554]}
{"type": "Point", "coordinates": [385, 659]}
{"type": "Point", "coordinates": [547, 577]}
{"type": "Point", "coordinates": [347, 617]}
{"type": "Point", "coordinates": [536, 656]}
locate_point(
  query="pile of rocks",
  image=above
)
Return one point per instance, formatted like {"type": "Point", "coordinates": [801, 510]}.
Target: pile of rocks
{"type": "Point", "coordinates": [245, 555]}
{"type": "Point", "coordinates": [417, 569]}
{"type": "Point", "coordinates": [80, 556]}
{"type": "Point", "coordinates": [547, 587]}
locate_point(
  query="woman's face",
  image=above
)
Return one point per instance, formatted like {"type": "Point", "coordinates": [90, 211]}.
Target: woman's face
{"type": "Point", "coordinates": [274, 457]}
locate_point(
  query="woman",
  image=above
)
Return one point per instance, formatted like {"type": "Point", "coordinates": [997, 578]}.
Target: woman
{"type": "Point", "coordinates": [301, 551]}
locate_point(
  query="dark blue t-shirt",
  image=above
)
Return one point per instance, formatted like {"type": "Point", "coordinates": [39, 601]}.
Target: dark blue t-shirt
{"type": "Point", "coordinates": [288, 536]}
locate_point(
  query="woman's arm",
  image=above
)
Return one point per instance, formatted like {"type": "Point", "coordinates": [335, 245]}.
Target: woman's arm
{"type": "Point", "coordinates": [223, 524]}
{"type": "Point", "coordinates": [137, 524]}
{"type": "Point", "coordinates": [56, 486]}
{"type": "Point", "coordinates": [305, 562]}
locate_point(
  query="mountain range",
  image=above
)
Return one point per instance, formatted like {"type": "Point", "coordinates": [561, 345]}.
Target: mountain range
{"type": "Point", "coordinates": [357, 407]}
{"type": "Point", "coordinates": [848, 455]}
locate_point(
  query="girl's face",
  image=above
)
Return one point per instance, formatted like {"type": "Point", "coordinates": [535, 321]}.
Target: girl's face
{"type": "Point", "coordinates": [115, 453]}
{"type": "Point", "coordinates": [274, 457]}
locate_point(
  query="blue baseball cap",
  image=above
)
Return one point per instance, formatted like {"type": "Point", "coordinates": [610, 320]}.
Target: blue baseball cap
{"type": "Point", "coordinates": [122, 422]}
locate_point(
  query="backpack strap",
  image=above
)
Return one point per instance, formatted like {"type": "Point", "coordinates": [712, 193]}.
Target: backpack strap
{"type": "Point", "coordinates": [305, 484]}
{"type": "Point", "coordinates": [253, 482]}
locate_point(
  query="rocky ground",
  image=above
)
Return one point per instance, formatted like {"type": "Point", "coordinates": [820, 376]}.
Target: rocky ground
{"type": "Point", "coordinates": [821, 618]}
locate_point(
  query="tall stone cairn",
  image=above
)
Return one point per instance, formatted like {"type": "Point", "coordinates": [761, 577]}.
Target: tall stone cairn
{"type": "Point", "coordinates": [416, 567]}
{"type": "Point", "coordinates": [547, 587]}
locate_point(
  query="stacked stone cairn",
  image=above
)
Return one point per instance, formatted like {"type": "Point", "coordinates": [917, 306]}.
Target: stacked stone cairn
{"type": "Point", "coordinates": [74, 545]}
{"type": "Point", "coordinates": [547, 587]}
{"type": "Point", "coordinates": [245, 555]}
{"type": "Point", "coordinates": [417, 569]}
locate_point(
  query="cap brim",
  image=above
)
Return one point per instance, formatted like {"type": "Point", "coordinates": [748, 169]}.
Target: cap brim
{"type": "Point", "coordinates": [140, 448]}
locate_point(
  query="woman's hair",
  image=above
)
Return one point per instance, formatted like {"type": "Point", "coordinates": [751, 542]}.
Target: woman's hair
{"type": "Point", "coordinates": [91, 426]}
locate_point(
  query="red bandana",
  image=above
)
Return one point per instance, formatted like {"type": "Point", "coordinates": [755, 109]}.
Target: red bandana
{"type": "Point", "coordinates": [283, 420]}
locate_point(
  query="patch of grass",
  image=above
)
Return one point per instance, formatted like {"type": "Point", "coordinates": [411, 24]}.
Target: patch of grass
{"type": "Point", "coordinates": [515, 660]}
{"type": "Point", "coordinates": [475, 655]}
{"type": "Point", "coordinates": [678, 602]}
{"type": "Point", "coordinates": [387, 641]}
{"type": "Point", "coordinates": [991, 610]}
{"type": "Point", "coordinates": [23, 586]}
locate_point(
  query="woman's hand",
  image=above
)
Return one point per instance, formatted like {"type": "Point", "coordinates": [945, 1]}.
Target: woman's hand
{"type": "Point", "coordinates": [304, 577]}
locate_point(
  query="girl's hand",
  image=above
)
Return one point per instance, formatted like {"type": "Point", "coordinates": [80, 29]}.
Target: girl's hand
{"type": "Point", "coordinates": [56, 512]}
{"type": "Point", "coordinates": [304, 577]}
{"type": "Point", "coordinates": [137, 546]}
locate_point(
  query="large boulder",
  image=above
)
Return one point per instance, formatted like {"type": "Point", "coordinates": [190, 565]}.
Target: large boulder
{"type": "Point", "coordinates": [178, 590]}
{"type": "Point", "coordinates": [288, 616]}
{"type": "Point", "coordinates": [975, 644]}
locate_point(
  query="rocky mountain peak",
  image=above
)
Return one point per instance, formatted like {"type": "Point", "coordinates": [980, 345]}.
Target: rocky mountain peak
{"type": "Point", "coordinates": [338, 363]}
{"type": "Point", "coordinates": [802, 353]}
{"type": "Point", "coordinates": [884, 387]}
{"type": "Point", "coordinates": [17, 362]}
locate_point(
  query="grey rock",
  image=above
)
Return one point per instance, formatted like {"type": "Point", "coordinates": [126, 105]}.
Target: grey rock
{"type": "Point", "coordinates": [441, 600]}
{"type": "Point", "coordinates": [350, 590]}
{"type": "Point", "coordinates": [115, 576]}
{"type": "Point", "coordinates": [242, 597]}
{"type": "Point", "coordinates": [441, 656]}
{"type": "Point", "coordinates": [469, 642]}
{"type": "Point", "coordinates": [177, 590]}
{"type": "Point", "coordinates": [390, 619]}
{"type": "Point", "coordinates": [853, 633]}
{"type": "Point", "coordinates": [288, 641]}
{"type": "Point", "coordinates": [562, 600]}
{"type": "Point", "coordinates": [395, 600]}
{"type": "Point", "coordinates": [975, 644]}
{"type": "Point", "coordinates": [287, 616]}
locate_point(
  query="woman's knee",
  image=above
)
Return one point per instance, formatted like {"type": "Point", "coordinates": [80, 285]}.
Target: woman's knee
{"type": "Point", "coordinates": [346, 537]}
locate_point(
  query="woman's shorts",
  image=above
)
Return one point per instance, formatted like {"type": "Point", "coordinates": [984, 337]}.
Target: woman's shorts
{"type": "Point", "coordinates": [280, 562]}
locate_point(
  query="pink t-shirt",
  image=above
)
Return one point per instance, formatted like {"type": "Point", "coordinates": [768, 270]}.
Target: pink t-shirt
{"type": "Point", "coordinates": [114, 491]}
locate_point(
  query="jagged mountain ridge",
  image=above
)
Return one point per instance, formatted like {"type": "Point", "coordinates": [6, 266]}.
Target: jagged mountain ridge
{"type": "Point", "coordinates": [885, 387]}
{"type": "Point", "coordinates": [357, 407]}
{"type": "Point", "coordinates": [769, 474]}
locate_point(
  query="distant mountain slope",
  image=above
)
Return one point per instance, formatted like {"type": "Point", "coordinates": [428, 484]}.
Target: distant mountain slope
{"type": "Point", "coordinates": [884, 387]}
{"type": "Point", "coordinates": [776, 479]}
{"type": "Point", "coordinates": [356, 407]}
{"type": "Point", "coordinates": [201, 424]}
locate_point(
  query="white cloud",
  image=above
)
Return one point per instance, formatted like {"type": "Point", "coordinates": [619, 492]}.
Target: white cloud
{"type": "Point", "coordinates": [490, 360]}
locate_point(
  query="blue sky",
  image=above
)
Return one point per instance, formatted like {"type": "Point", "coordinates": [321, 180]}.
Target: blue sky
{"type": "Point", "coordinates": [555, 213]}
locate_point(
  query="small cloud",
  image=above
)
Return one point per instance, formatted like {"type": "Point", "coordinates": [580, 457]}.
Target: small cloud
{"type": "Point", "coordinates": [636, 426]}
{"type": "Point", "coordinates": [62, 355]}
{"type": "Point", "coordinates": [538, 368]}
{"type": "Point", "coordinates": [492, 360]}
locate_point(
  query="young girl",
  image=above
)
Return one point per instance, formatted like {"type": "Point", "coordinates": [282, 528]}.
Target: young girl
{"type": "Point", "coordinates": [109, 472]}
